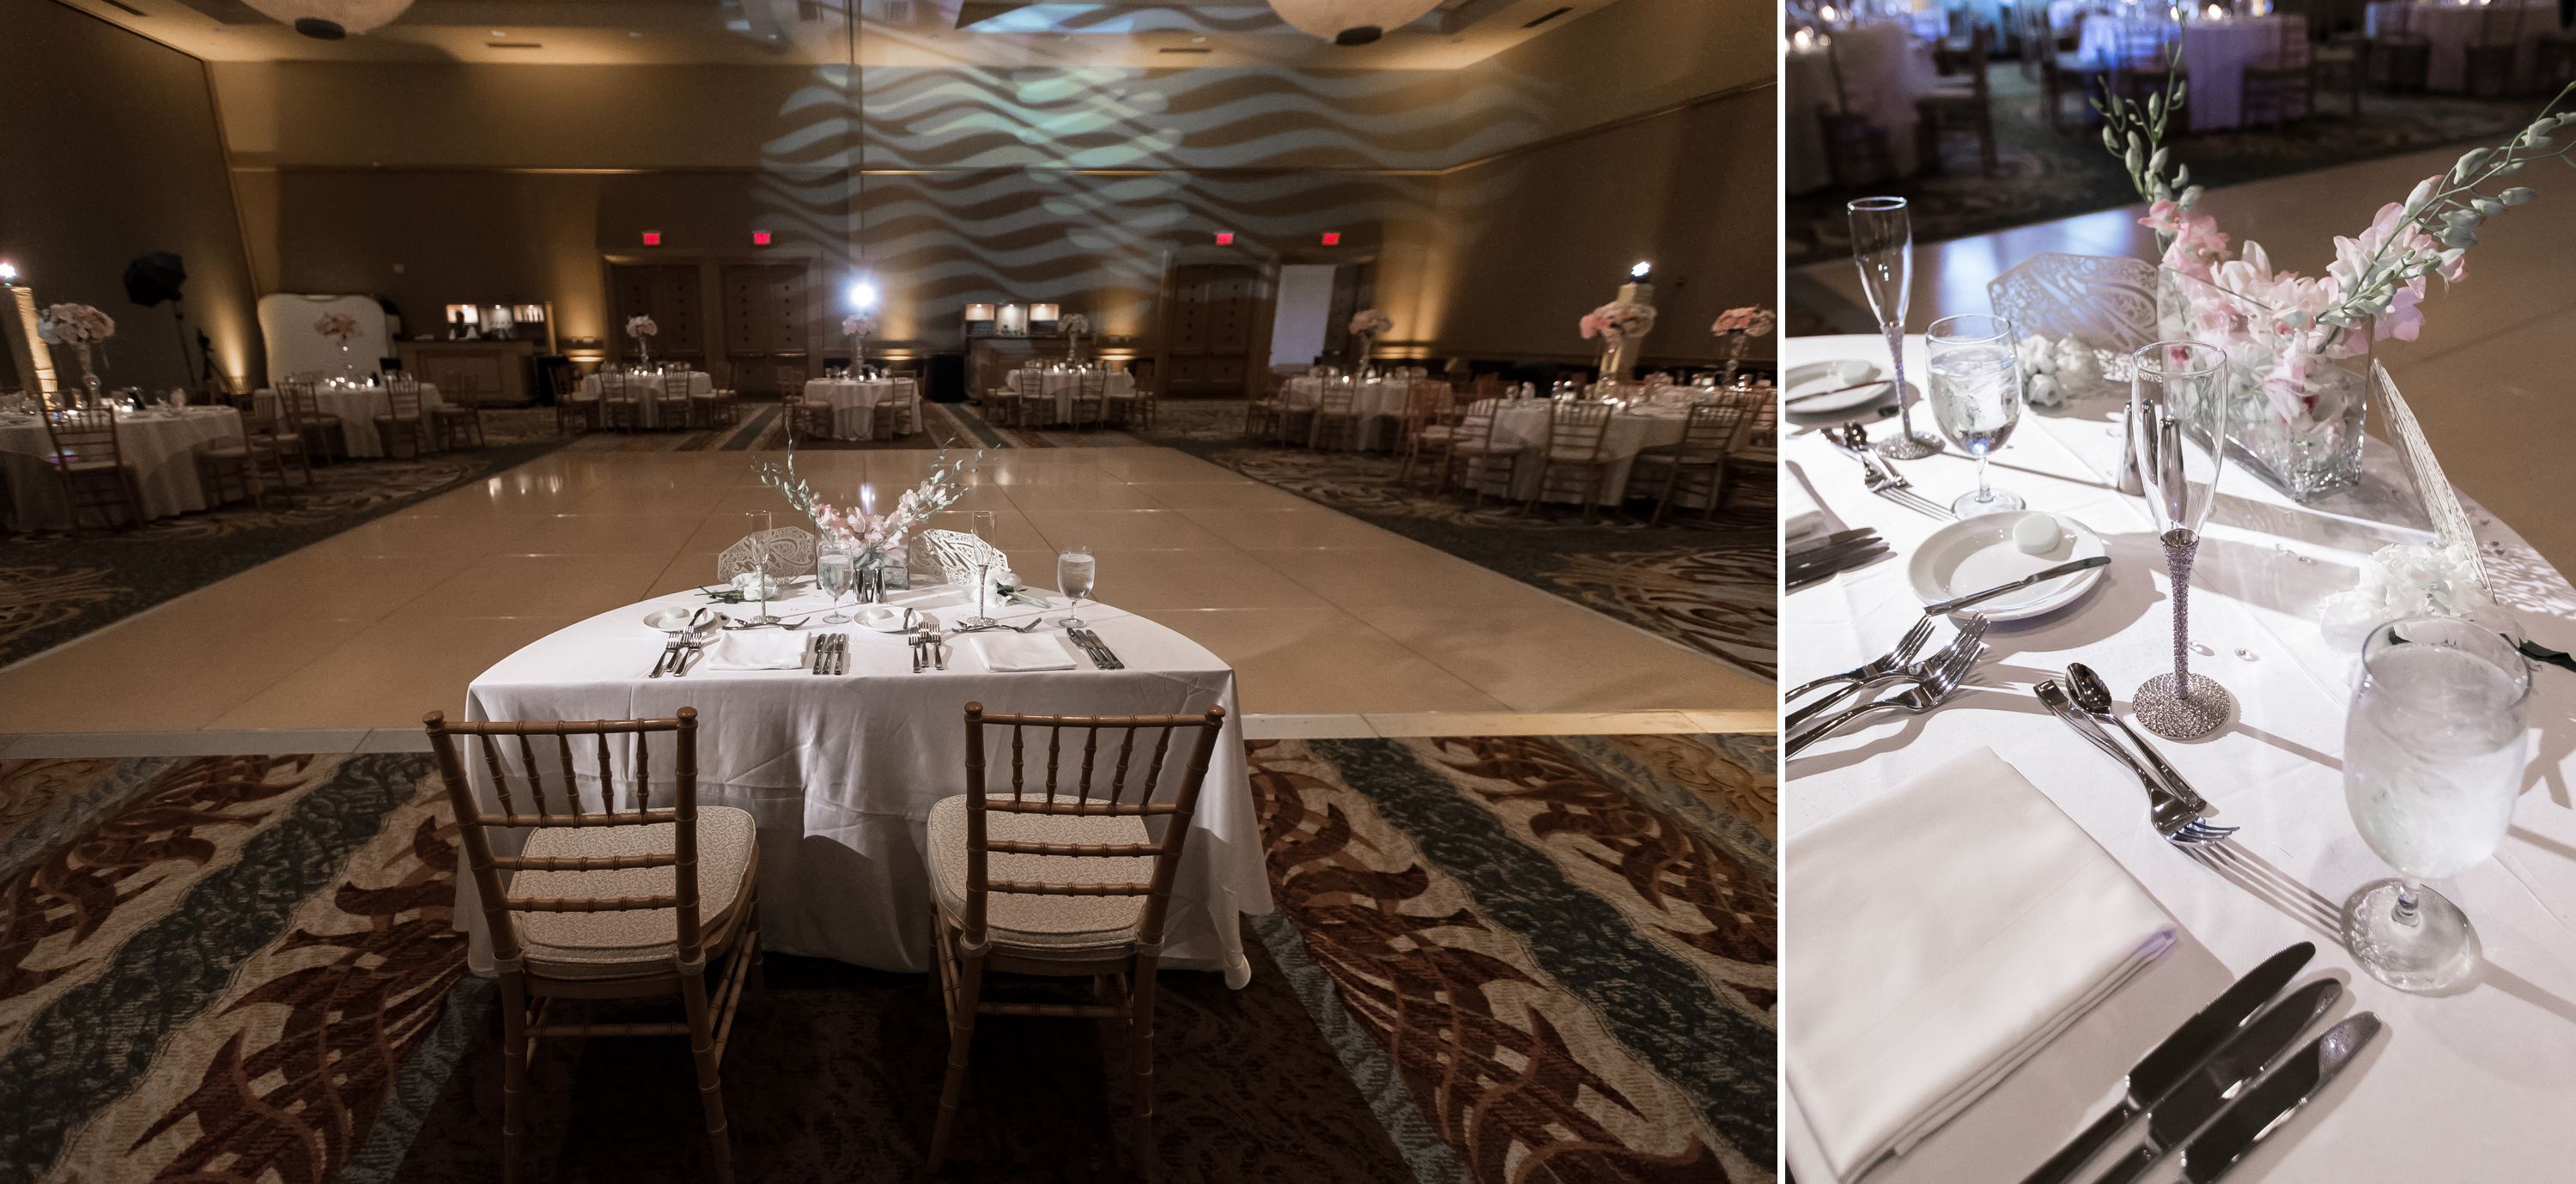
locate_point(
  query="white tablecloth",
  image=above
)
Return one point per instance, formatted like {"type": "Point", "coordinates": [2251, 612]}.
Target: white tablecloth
{"type": "Point", "coordinates": [1885, 67]}
{"type": "Point", "coordinates": [1064, 384]}
{"type": "Point", "coordinates": [160, 447]}
{"type": "Point", "coordinates": [1528, 420]}
{"type": "Point", "coordinates": [855, 404]}
{"type": "Point", "coordinates": [645, 386]}
{"type": "Point", "coordinates": [2470, 1086]}
{"type": "Point", "coordinates": [840, 772]}
{"type": "Point", "coordinates": [1380, 403]}
{"type": "Point", "coordinates": [2215, 54]}
{"type": "Point", "coordinates": [2452, 28]}
{"type": "Point", "coordinates": [357, 407]}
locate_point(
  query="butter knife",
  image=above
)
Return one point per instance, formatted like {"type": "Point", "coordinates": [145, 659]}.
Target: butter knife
{"type": "Point", "coordinates": [1956, 603]}
{"type": "Point", "coordinates": [2258, 1114]}
{"type": "Point", "coordinates": [2208, 1090]}
{"type": "Point", "coordinates": [2167, 1064]}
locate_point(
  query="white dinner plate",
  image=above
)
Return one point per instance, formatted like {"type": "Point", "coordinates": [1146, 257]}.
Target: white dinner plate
{"type": "Point", "coordinates": [1815, 378]}
{"type": "Point", "coordinates": [1978, 553]}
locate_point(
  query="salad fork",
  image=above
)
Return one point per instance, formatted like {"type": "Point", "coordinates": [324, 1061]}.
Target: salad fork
{"type": "Point", "coordinates": [1971, 632]}
{"type": "Point", "coordinates": [1889, 663]}
{"type": "Point", "coordinates": [1923, 696]}
{"type": "Point", "coordinates": [2177, 820]}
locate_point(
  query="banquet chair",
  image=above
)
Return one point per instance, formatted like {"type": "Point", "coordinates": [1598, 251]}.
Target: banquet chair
{"type": "Point", "coordinates": [621, 400]}
{"type": "Point", "coordinates": [2489, 59]}
{"type": "Point", "coordinates": [671, 397]}
{"type": "Point", "coordinates": [2145, 66]}
{"type": "Point", "coordinates": [1757, 439]}
{"type": "Point", "coordinates": [1061, 881]}
{"type": "Point", "coordinates": [86, 458]}
{"type": "Point", "coordinates": [2342, 63]}
{"type": "Point", "coordinates": [811, 412]}
{"type": "Point", "coordinates": [1267, 416]}
{"type": "Point", "coordinates": [2282, 86]}
{"type": "Point", "coordinates": [1091, 398]}
{"type": "Point", "coordinates": [788, 377]}
{"type": "Point", "coordinates": [1697, 460]}
{"type": "Point", "coordinates": [404, 420]}
{"type": "Point", "coordinates": [270, 434]}
{"type": "Point", "coordinates": [456, 425]}
{"type": "Point", "coordinates": [1966, 104]}
{"type": "Point", "coordinates": [2398, 57]}
{"type": "Point", "coordinates": [319, 427]}
{"type": "Point", "coordinates": [1474, 445]}
{"type": "Point", "coordinates": [1578, 447]}
{"type": "Point", "coordinates": [1031, 403]}
{"type": "Point", "coordinates": [1335, 417]}
{"type": "Point", "coordinates": [607, 899]}
{"type": "Point", "coordinates": [1125, 410]}
{"type": "Point", "coordinates": [1425, 427]}
{"type": "Point", "coordinates": [572, 406]}
{"type": "Point", "coordinates": [718, 406]}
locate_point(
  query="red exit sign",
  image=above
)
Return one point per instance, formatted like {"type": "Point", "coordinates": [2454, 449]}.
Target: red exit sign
{"type": "Point", "coordinates": [652, 238]}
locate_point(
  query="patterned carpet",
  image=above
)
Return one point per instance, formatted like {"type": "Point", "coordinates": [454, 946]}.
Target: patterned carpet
{"type": "Point", "coordinates": [1523, 960]}
{"type": "Point", "coordinates": [2048, 174]}
{"type": "Point", "coordinates": [55, 587]}
{"type": "Point", "coordinates": [1712, 586]}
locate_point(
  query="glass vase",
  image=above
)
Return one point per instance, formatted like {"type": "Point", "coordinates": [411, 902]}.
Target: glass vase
{"type": "Point", "coordinates": [2299, 431]}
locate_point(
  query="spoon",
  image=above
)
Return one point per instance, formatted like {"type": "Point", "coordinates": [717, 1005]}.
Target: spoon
{"type": "Point", "coordinates": [2094, 697]}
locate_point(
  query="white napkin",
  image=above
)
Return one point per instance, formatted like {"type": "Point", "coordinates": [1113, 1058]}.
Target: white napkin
{"type": "Point", "coordinates": [1944, 932]}
{"type": "Point", "coordinates": [757, 649]}
{"type": "Point", "coordinates": [1015, 652]}
{"type": "Point", "coordinates": [1799, 514]}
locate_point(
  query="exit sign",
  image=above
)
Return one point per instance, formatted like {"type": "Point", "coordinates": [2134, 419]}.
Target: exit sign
{"type": "Point", "coordinates": [1225, 238]}
{"type": "Point", "coordinates": [760, 238]}
{"type": "Point", "coordinates": [1332, 238]}
{"type": "Point", "coordinates": [652, 238]}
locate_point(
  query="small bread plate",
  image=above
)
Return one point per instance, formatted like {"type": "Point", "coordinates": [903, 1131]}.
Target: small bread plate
{"type": "Point", "coordinates": [1974, 554]}
{"type": "Point", "coordinates": [1821, 386]}
{"type": "Point", "coordinates": [669, 620]}
{"type": "Point", "coordinates": [884, 618]}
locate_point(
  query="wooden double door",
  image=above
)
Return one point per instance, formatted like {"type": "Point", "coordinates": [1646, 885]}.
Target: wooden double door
{"type": "Point", "coordinates": [759, 339]}
{"type": "Point", "coordinates": [1212, 329]}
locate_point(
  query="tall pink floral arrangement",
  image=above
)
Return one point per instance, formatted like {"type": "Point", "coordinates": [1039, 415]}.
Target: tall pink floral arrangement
{"type": "Point", "coordinates": [1736, 328]}
{"type": "Point", "coordinates": [338, 326]}
{"type": "Point", "coordinates": [873, 536]}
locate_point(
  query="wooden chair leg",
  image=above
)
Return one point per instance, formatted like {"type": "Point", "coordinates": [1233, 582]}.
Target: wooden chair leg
{"type": "Point", "coordinates": [514, 1072]}
{"type": "Point", "coordinates": [1140, 1024]}
{"type": "Point", "coordinates": [702, 1049]}
{"type": "Point", "coordinates": [961, 1041]}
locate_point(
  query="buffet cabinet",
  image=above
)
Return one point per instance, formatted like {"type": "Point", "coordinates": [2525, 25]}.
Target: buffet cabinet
{"type": "Point", "coordinates": [479, 373]}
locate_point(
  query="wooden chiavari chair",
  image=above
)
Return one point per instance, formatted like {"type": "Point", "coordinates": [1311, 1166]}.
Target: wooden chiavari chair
{"type": "Point", "coordinates": [1698, 459]}
{"type": "Point", "coordinates": [607, 899]}
{"type": "Point", "coordinates": [1267, 416]}
{"type": "Point", "coordinates": [621, 400]}
{"type": "Point", "coordinates": [87, 460]}
{"type": "Point", "coordinates": [1061, 882]}
{"type": "Point", "coordinates": [1091, 398]}
{"type": "Point", "coordinates": [1968, 106]}
{"type": "Point", "coordinates": [1033, 405]}
{"type": "Point", "coordinates": [404, 420]}
{"type": "Point", "coordinates": [2283, 86]}
{"type": "Point", "coordinates": [719, 406]}
{"type": "Point", "coordinates": [2489, 59]}
{"type": "Point", "coordinates": [319, 428]}
{"type": "Point", "coordinates": [573, 407]}
{"type": "Point", "coordinates": [671, 394]}
{"type": "Point", "coordinates": [1578, 446]}
{"type": "Point", "coordinates": [1336, 416]}
{"type": "Point", "coordinates": [454, 425]}
{"type": "Point", "coordinates": [1426, 427]}
{"type": "Point", "coordinates": [789, 377]}
{"type": "Point", "coordinates": [223, 463]}
{"type": "Point", "coordinates": [2396, 56]}
{"type": "Point", "coordinates": [1473, 447]}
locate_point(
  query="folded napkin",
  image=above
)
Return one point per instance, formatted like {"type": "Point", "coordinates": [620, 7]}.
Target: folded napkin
{"type": "Point", "coordinates": [1799, 514]}
{"type": "Point", "coordinates": [1013, 652]}
{"type": "Point", "coordinates": [757, 649]}
{"type": "Point", "coordinates": [1945, 932]}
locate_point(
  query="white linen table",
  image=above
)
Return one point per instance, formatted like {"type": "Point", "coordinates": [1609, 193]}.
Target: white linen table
{"type": "Point", "coordinates": [357, 406]}
{"type": "Point", "coordinates": [1380, 403]}
{"type": "Point", "coordinates": [2215, 53]}
{"type": "Point", "coordinates": [645, 386]}
{"type": "Point", "coordinates": [2451, 29]}
{"type": "Point", "coordinates": [841, 771]}
{"type": "Point", "coordinates": [1064, 384]}
{"type": "Point", "coordinates": [1885, 67]}
{"type": "Point", "coordinates": [2469, 1086]}
{"type": "Point", "coordinates": [855, 403]}
{"type": "Point", "coordinates": [160, 447]}
{"type": "Point", "coordinates": [1528, 420]}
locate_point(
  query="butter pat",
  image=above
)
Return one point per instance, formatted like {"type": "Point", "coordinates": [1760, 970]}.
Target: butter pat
{"type": "Point", "coordinates": [2036, 534]}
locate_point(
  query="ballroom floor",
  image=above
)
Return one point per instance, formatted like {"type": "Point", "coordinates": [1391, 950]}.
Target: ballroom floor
{"type": "Point", "coordinates": [1337, 627]}
{"type": "Point", "coordinates": [2488, 377]}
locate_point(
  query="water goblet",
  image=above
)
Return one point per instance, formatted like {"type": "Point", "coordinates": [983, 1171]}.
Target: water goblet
{"type": "Point", "coordinates": [833, 570]}
{"type": "Point", "coordinates": [1074, 567]}
{"type": "Point", "coordinates": [1882, 234]}
{"type": "Point", "coordinates": [2177, 424]}
{"type": "Point", "coordinates": [1975, 378]}
{"type": "Point", "coordinates": [2432, 764]}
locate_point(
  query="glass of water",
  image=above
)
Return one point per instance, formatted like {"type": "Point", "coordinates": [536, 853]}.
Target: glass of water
{"type": "Point", "coordinates": [834, 570]}
{"type": "Point", "coordinates": [1074, 567]}
{"type": "Point", "coordinates": [1976, 397]}
{"type": "Point", "coordinates": [2433, 756]}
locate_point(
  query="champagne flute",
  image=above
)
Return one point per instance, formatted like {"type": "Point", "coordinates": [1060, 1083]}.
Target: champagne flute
{"type": "Point", "coordinates": [2177, 401]}
{"type": "Point", "coordinates": [2433, 758]}
{"type": "Point", "coordinates": [1883, 248]}
{"type": "Point", "coordinates": [1074, 567]}
{"type": "Point", "coordinates": [759, 523]}
{"type": "Point", "coordinates": [1975, 377]}
{"type": "Point", "coordinates": [982, 525]}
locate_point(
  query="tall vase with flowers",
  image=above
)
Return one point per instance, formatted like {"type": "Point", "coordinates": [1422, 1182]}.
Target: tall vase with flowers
{"type": "Point", "coordinates": [1617, 324]}
{"type": "Point", "coordinates": [2298, 347]}
{"type": "Point", "coordinates": [640, 329]}
{"type": "Point", "coordinates": [1366, 326]}
{"type": "Point", "coordinates": [869, 538]}
{"type": "Point", "coordinates": [1735, 329]}
{"type": "Point", "coordinates": [1075, 327]}
{"type": "Point", "coordinates": [342, 329]}
{"type": "Point", "coordinates": [84, 329]}
{"type": "Point", "coordinates": [858, 327]}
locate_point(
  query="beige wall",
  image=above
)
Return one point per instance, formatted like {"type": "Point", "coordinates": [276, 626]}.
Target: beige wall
{"type": "Point", "coordinates": [110, 150]}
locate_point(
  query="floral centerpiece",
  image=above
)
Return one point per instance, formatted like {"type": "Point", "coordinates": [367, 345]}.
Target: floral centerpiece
{"type": "Point", "coordinates": [341, 328]}
{"type": "Point", "coordinates": [81, 327]}
{"type": "Point", "coordinates": [1367, 325]}
{"type": "Point", "coordinates": [1074, 326]}
{"type": "Point", "coordinates": [1616, 324]}
{"type": "Point", "coordinates": [870, 538]}
{"type": "Point", "coordinates": [857, 327]}
{"type": "Point", "coordinates": [1735, 329]}
{"type": "Point", "coordinates": [641, 328]}
{"type": "Point", "coordinates": [2298, 346]}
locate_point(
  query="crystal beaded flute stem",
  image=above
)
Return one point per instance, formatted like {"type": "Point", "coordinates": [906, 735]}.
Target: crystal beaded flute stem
{"type": "Point", "coordinates": [2177, 402]}
{"type": "Point", "coordinates": [1883, 249]}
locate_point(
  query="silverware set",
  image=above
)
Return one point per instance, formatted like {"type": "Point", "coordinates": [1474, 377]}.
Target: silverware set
{"type": "Point", "coordinates": [928, 651]}
{"type": "Point", "coordinates": [831, 654]}
{"type": "Point", "coordinates": [1920, 686]}
{"type": "Point", "coordinates": [688, 642]}
{"type": "Point", "coordinates": [2173, 808]}
{"type": "Point", "coordinates": [1831, 555]}
{"type": "Point", "coordinates": [2224, 1081]}
{"type": "Point", "coordinates": [1880, 477]}
{"type": "Point", "coordinates": [1102, 657]}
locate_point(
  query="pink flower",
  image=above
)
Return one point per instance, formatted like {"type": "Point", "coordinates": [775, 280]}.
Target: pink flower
{"type": "Point", "coordinates": [2404, 318]}
{"type": "Point", "coordinates": [2196, 247]}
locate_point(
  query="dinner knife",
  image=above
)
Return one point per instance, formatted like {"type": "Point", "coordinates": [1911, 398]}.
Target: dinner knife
{"type": "Point", "coordinates": [2541, 653]}
{"type": "Point", "coordinates": [2165, 1066]}
{"type": "Point", "coordinates": [2207, 1091]}
{"type": "Point", "coordinates": [1848, 562]}
{"type": "Point", "coordinates": [1956, 603]}
{"type": "Point", "coordinates": [1797, 553]}
{"type": "Point", "coordinates": [2256, 1115]}
{"type": "Point", "coordinates": [1799, 566]}
{"type": "Point", "coordinates": [1840, 390]}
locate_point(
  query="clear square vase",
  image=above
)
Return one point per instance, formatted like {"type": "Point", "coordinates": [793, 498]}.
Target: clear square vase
{"type": "Point", "coordinates": [2303, 436]}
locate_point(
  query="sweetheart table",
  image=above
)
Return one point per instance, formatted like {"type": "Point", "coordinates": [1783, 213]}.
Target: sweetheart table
{"type": "Point", "coordinates": [2473, 1085]}
{"type": "Point", "coordinates": [840, 771]}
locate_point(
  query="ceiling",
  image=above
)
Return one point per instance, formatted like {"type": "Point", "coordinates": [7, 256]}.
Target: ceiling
{"type": "Point", "coordinates": [1002, 34]}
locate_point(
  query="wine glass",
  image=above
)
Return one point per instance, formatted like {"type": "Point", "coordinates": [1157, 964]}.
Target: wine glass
{"type": "Point", "coordinates": [2177, 425]}
{"type": "Point", "coordinates": [1074, 567]}
{"type": "Point", "coordinates": [1975, 378]}
{"type": "Point", "coordinates": [2433, 757]}
{"type": "Point", "coordinates": [982, 525]}
{"type": "Point", "coordinates": [833, 571]}
{"type": "Point", "coordinates": [1882, 235]}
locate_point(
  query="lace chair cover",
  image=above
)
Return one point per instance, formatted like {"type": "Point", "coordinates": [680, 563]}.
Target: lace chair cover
{"type": "Point", "coordinates": [2108, 301]}
{"type": "Point", "coordinates": [788, 549]}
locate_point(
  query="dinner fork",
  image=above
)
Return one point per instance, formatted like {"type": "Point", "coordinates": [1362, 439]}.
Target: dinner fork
{"type": "Point", "coordinates": [1972, 631]}
{"type": "Point", "coordinates": [1923, 696]}
{"type": "Point", "coordinates": [1889, 663]}
{"type": "Point", "coordinates": [1881, 478]}
{"type": "Point", "coordinates": [2175, 819]}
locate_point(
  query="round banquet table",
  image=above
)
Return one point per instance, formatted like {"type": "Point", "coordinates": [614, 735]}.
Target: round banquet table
{"type": "Point", "coordinates": [2215, 53]}
{"type": "Point", "coordinates": [1885, 67]}
{"type": "Point", "coordinates": [2452, 29]}
{"type": "Point", "coordinates": [646, 386]}
{"type": "Point", "coordinates": [159, 447]}
{"type": "Point", "coordinates": [840, 771]}
{"type": "Point", "coordinates": [1380, 403]}
{"type": "Point", "coordinates": [2490, 1067]}
{"type": "Point", "coordinates": [357, 407]}
{"type": "Point", "coordinates": [1527, 421]}
{"type": "Point", "coordinates": [855, 403]}
{"type": "Point", "coordinates": [1064, 384]}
